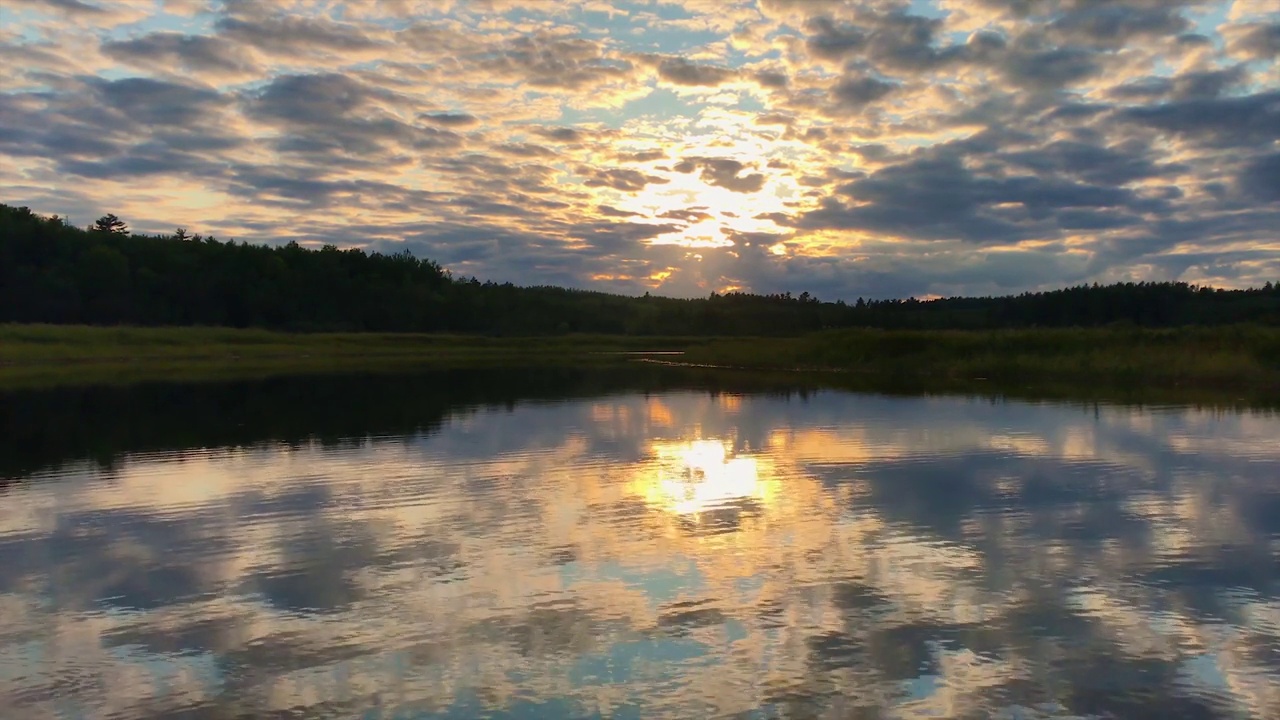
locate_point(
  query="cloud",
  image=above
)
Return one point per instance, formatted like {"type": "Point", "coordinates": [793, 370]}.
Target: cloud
{"type": "Point", "coordinates": [877, 145]}
{"type": "Point", "coordinates": [296, 35]}
{"type": "Point", "coordinates": [562, 134]}
{"type": "Point", "coordinates": [895, 40]}
{"type": "Point", "coordinates": [143, 160]}
{"type": "Point", "coordinates": [1091, 163]}
{"type": "Point", "coordinates": [1261, 178]}
{"type": "Point", "coordinates": [614, 236]}
{"type": "Point", "coordinates": [611, 211]}
{"type": "Point", "coordinates": [1237, 121]}
{"type": "Point", "coordinates": [1257, 41]}
{"type": "Point", "coordinates": [833, 41]}
{"type": "Point", "coordinates": [1189, 85]}
{"type": "Point", "coordinates": [771, 79]}
{"type": "Point", "coordinates": [856, 92]}
{"type": "Point", "coordinates": [310, 98]}
{"type": "Point", "coordinates": [157, 102]}
{"type": "Point", "coordinates": [775, 119]}
{"type": "Point", "coordinates": [528, 150]}
{"type": "Point", "coordinates": [549, 63]}
{"type": "Point", "coordinates": [623, 179]}
{"type": "Point", "coordinates": [1113, 25]}
{"type": "Point", "coordinates": [450, 119]}
{"type": "Point", "coordinates": [120, 129]}
{"type": "Point", "coordinates": [690, 215]}
{"type": "Point", "coordinates": [1050, 69]}
{"type": "Point", "coordinates": [315, 114]}
{"type": "Point", "coordinates": [1209, 83]}
{"type": "Point", "coordinates": [642, 156]}
{"type": "Point", "coordinates": [961, 204]}
{"type": "Point", "coordinates": [723, 172]}
{"type": "Point", "coordinates": [680, 71]}
{"type": "Point", "coordinates": [70, 7]}
{"type": "Point", "coordinates": [193, 53]}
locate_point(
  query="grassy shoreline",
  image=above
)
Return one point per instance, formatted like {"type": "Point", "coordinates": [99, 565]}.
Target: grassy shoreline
{"type": "Point", "coordinates": [1234, 359]}
{"type": "Point", "coordinates": [1231, 357]}
{"type": "Point", "coordinates": [21, 344]}
{"type": "Point", "coordinates": [74, 354]}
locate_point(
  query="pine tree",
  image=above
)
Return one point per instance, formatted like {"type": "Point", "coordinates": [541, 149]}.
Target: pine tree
{"type": "Point", "coordinates": [110, 224]}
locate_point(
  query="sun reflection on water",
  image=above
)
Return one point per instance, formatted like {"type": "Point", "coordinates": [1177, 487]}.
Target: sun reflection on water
{"type": "Point", "coordinates": [694, 476]}
{"type": "Point", "coordinates": [686, 555]}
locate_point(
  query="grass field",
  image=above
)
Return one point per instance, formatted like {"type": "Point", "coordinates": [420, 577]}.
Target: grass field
{"type": "Point", "coordinates": [56, 354]}
{"type": "Point", "coordinates": [1237, 359]}
{"type": "Point", "coordinates": [1235, 356]}
{"type": "Point", "coordinates": [76, 343]}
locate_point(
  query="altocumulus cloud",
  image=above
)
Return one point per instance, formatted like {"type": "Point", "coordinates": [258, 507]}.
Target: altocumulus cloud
{"type": "Point", "coordinates": [868, 148]}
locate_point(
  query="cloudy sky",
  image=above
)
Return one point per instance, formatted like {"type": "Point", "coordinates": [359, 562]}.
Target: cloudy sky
{"type": "Point", "coordinates": [869, 148]}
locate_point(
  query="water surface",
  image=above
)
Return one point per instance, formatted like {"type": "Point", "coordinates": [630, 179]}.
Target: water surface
{"type": "Point", "coordinates": [621, 551]}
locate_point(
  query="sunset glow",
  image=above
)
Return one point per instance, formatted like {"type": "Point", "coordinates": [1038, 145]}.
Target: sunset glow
{"type": "Point", "coordinates": [692, 477]}
{"type": "Point", "coordinates": [842, 147]}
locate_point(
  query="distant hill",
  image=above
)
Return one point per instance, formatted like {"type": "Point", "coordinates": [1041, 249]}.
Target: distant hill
{"type": "Point", "coordinates": [51, 272]}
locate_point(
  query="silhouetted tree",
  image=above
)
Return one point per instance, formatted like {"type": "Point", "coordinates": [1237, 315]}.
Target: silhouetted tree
{"type": "Point", "coordinates": [53, 272]}
{"type": "Point", "coordinates": [110, 224]}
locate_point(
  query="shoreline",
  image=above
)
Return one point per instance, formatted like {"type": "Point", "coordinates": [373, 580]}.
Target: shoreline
{"type": "Point", "coordinates": [1238, 361]}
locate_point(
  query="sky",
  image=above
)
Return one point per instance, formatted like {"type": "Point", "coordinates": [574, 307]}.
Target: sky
{"type": "Point", "coordinates": [873, 148]}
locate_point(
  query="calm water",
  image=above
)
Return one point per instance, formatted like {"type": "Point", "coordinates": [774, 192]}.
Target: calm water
{"type": "Point", "coordinates": [615, 550]}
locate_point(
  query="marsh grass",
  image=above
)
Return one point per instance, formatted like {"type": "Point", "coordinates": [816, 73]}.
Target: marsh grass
{"type": "Point", "coordinates": [22, 344]}
{"type": "Point", "coordinates": [1235, 358]}
{"type": "Point", "coordinates": [50, 355]}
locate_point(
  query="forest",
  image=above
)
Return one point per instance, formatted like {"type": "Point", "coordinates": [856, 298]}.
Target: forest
{"type": "Point", "coordinates": [53, 272]}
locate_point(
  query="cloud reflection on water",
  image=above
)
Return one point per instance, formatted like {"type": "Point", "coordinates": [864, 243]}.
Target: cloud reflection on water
{"type": "Point", "coordinates": [682, 554]}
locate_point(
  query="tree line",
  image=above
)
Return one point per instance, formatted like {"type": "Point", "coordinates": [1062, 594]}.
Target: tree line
{"type": "Point", "coordinates": [48, 427]}
{"type": "Point", "coordinates": [53, 272]}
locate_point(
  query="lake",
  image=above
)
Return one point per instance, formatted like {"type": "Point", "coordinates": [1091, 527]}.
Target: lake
{"type": "Point", "coordinates": [552, 544]}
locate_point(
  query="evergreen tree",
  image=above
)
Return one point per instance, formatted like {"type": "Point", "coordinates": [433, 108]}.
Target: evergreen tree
{"type": "Point", "coordinates": [110, 224]}
{"type": "Point", "coordinates": [53, 272]}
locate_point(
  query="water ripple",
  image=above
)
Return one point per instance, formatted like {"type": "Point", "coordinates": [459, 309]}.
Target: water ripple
{"type": "Point", "coordinates": [674, 554]}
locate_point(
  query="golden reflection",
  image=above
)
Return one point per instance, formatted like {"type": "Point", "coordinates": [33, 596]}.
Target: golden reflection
{"type": "Point", "coordinates": [730, 403]}
{"type": "Point", "coordinates": [659, 414]}
{"type": "Point", "coordinates": [507, 573]}
{"type": "Point", "coordinates": [690, 477]}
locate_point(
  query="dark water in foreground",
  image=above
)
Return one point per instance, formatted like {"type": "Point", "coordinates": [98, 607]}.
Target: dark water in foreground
{"type": "Point", "coordinates": [438, 547]}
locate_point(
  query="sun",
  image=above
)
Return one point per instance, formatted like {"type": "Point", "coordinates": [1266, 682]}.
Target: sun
{"type": "Point", "coordinates": [724, 182]}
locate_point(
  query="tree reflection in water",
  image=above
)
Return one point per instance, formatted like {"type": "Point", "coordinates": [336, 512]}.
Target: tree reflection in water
{"type": "Point", "coordinates": [641, 550]}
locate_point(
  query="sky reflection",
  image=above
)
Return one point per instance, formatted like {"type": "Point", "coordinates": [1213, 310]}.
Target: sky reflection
{"type": "Point", "coordinates": [678, 554]}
